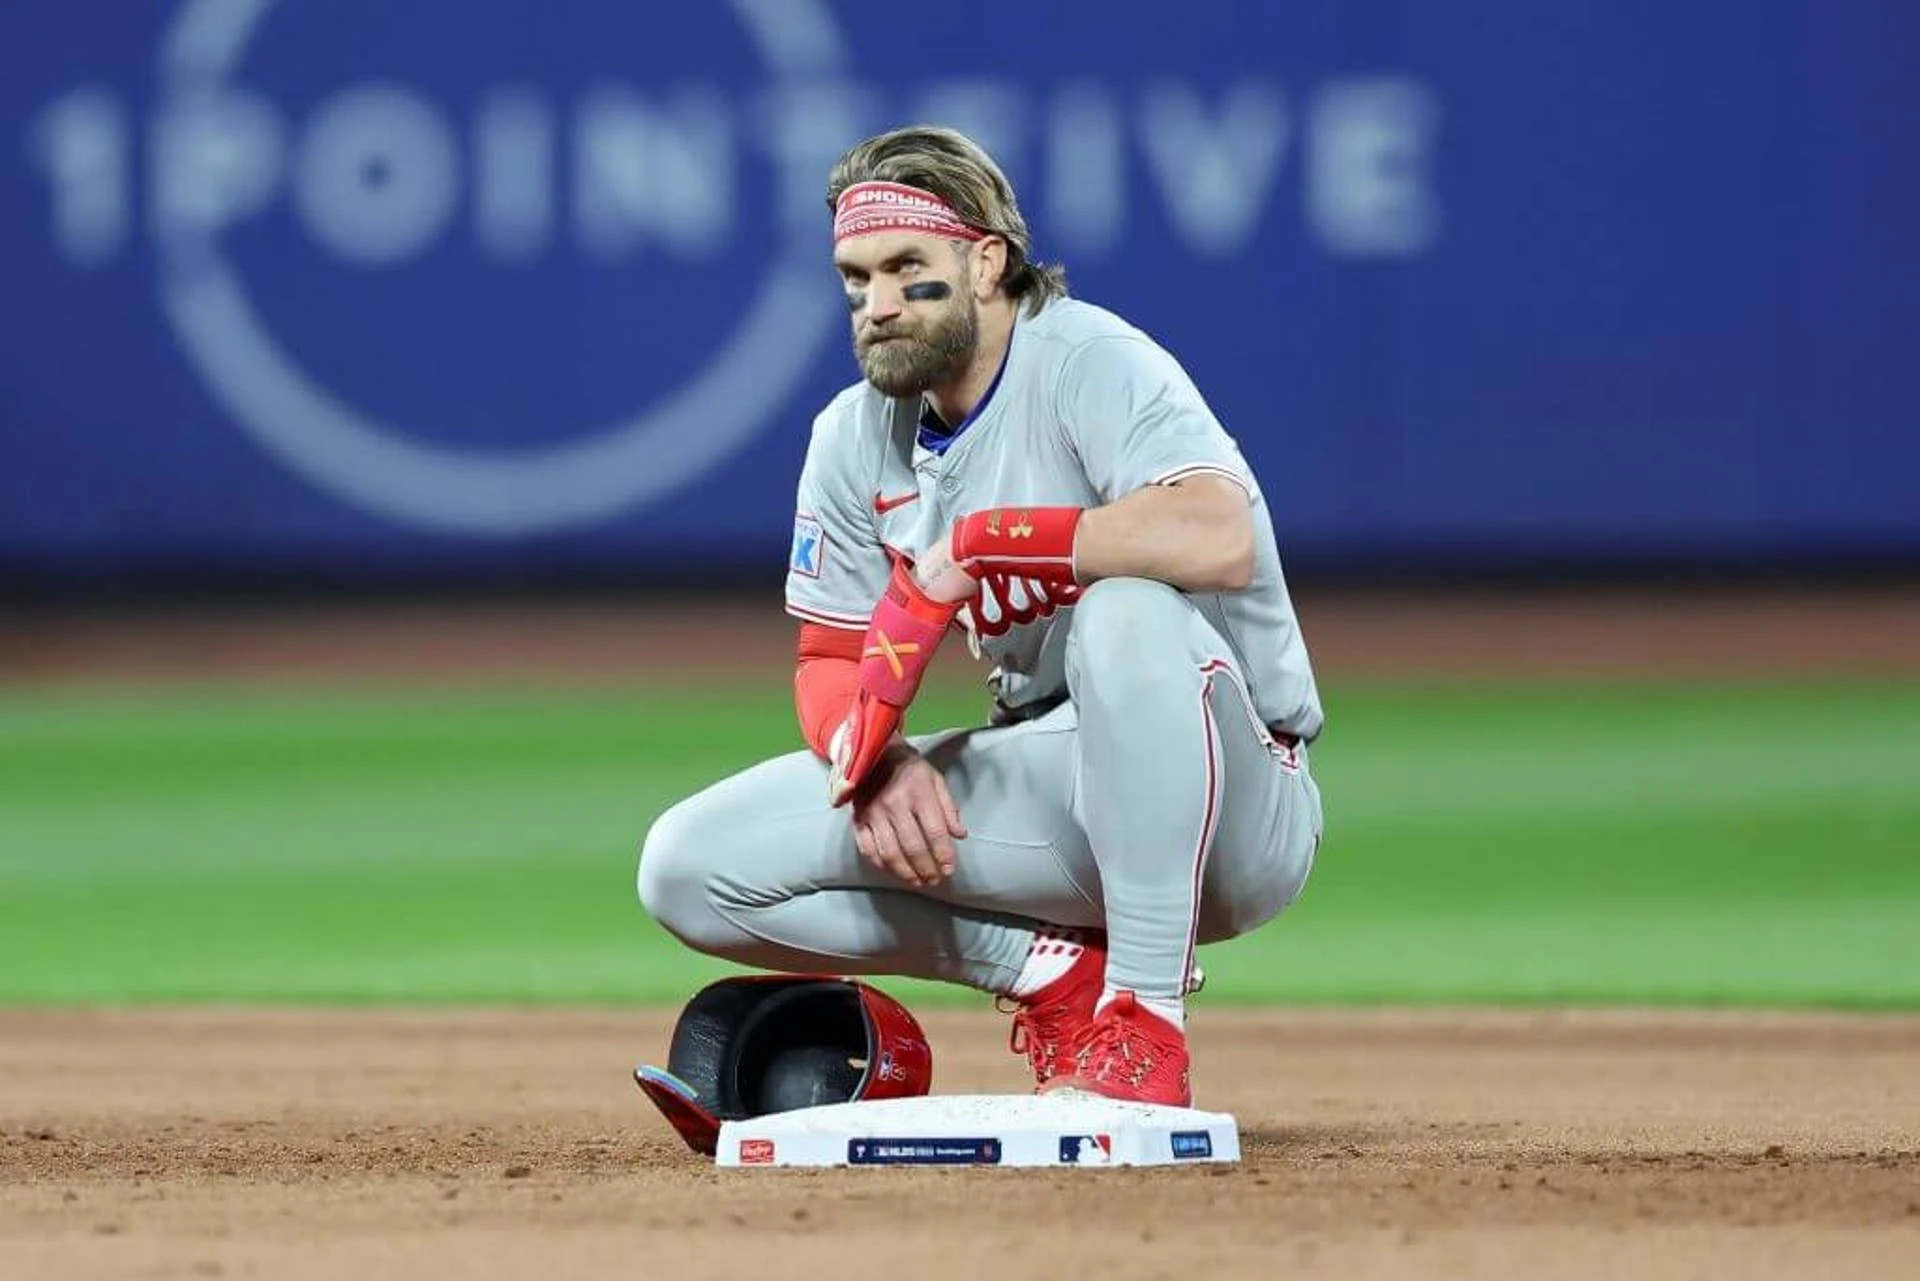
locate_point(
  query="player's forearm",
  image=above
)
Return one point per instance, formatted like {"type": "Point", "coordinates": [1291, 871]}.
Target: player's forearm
{"type": "Point", "coordinates": [824, 679]}
{"type": "Point", "coordinates": [822, 693]}
{"type": "Point", "coordinates": [1197, 536]}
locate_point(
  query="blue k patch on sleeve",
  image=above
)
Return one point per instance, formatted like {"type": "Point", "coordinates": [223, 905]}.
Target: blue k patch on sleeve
{"type": "Point", "coordinates": [809, 547]}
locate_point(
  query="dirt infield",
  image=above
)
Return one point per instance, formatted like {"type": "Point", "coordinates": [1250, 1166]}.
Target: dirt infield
{"type": "Point", "coordinates": [296, 1144]}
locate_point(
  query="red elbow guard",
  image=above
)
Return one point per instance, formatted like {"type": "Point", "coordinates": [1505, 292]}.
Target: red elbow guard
{"type": "Point", "coordinates": [824, 681]}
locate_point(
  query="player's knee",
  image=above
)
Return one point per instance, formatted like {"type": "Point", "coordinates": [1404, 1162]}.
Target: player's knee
{"type": "Point", "coordinates": [1123, 628]}
{"type": "Point", "coordinates": [1222, 920]}
{"type": "Point", "coordinates": [673, 875]}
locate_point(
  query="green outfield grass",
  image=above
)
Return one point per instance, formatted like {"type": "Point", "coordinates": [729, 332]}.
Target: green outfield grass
{"type": "Point", "coordinates": [1638, 844]}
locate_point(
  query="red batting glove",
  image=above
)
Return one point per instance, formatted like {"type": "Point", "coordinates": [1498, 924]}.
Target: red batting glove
{"type": "Point", "coordinates": [902, 636]}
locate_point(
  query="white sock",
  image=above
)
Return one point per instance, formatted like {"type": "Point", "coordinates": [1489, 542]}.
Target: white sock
{"type": "Point", "coordinates": [1050, 955]}
{"type": "Point", "coordinates": [1171, 1008]}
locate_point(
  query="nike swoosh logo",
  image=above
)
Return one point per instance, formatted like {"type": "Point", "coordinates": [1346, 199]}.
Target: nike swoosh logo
{"type": "Point", "coordinates": [882, 506]}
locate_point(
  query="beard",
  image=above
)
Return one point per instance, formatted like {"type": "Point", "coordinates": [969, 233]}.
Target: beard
{"type": "Point", "coordinates": [924, 356]}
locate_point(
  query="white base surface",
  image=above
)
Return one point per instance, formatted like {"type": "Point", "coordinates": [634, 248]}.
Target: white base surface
{"type": "Point", "coordinates": [1061, 1129]}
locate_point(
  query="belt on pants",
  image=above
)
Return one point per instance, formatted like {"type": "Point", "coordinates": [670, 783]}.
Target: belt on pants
{"type": "Point", "coordinates": [1286, 738]}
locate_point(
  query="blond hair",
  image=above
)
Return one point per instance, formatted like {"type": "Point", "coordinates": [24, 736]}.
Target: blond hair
{"type": "Point", "coordinates": [959, 171]}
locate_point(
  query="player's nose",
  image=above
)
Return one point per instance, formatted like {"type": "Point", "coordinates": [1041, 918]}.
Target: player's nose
{"type": "Point", "coordinates": [883, 302]}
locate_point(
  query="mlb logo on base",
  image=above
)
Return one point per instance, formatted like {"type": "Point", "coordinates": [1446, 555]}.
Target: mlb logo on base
{"type": "Point", "coordinates": [1086, 1149]}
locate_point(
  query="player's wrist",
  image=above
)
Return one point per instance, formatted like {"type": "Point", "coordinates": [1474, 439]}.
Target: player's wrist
{"type": "Point", "coordinates": [906, 590]}
{"type": "Point", "coordinates": [1030, 542]}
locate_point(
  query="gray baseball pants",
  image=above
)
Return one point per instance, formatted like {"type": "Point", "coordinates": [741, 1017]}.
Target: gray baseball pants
{"type": "Point", "coordinates": [1152, 804]}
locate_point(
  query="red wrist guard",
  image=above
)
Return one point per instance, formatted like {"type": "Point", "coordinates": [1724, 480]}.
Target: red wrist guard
{"type": "Point", "coordinates": [905, 630]}
{"type": "Point", "coordinates": [902, 635]}
{"type": "Point", "coordinates": [1028, 542]}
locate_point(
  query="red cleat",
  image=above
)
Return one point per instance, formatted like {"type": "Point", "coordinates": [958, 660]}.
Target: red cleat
{"type": "Point", "coordinates": [1047, 1024]}
{"type": "Point", "coordinates": [1130, 1054]}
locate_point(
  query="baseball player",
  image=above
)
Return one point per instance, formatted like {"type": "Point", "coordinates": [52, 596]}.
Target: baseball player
{"type": "Point", "coordinates": [1035, 472]}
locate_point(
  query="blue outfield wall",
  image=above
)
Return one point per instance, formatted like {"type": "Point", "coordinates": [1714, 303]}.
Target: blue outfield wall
{"type": "Point", "coordinates": [536, 287]}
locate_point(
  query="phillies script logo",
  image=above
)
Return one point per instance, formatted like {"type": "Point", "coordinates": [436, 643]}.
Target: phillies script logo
{"type": "Point", "coordinates": [1006, 602]}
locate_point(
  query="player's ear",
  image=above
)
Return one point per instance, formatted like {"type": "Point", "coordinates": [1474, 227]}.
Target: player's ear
{"type": "Point", "coordinates": [988, 265]}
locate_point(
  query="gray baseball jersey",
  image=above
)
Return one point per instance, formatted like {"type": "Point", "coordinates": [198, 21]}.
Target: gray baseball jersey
{"type": "Point", "coordinates": [1086, 410]}
{"type": "Point", "coordinates": [1154, 801]}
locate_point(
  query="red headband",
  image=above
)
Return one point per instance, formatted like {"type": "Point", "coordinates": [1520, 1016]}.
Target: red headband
{"type": "Point", "coordinates": [869, 208]}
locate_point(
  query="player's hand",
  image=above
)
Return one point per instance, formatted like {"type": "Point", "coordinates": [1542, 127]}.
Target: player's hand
{"type": "Point", "coordinates": [941, 577]}
{"type": "Point", "coordinates": [907, 823]}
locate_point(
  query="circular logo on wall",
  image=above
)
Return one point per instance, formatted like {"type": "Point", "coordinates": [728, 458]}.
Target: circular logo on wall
{"type": "Point", "coordinates": [598, 473]}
